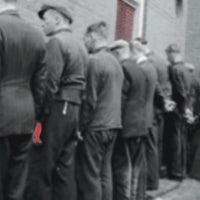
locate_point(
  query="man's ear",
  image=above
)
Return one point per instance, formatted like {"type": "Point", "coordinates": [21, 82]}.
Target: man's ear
{"type": "Point", "coordinates": [93, 35]}
{"type": "Point", "coordinates": [57, 19]}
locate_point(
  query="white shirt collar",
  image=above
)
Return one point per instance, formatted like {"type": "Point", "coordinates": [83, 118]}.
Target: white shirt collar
{"type": "Point", "coordinates": [7, 8]}
{"type": "Point", "coordinates": [141, 59]}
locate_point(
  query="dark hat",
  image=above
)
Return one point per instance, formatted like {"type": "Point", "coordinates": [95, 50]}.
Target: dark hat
{"type": "Point", "coordinates": [118, 44]}
{"type": "Point", "coordinates": [142, 40]}
{"type": "Point", "coordinates": [61, 9]}
{"type": "Point", "coordinates": [173, 48]}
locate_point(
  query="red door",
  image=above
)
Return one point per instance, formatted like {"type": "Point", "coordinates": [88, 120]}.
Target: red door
{"type": "Point", "coordinates": [125, 15]}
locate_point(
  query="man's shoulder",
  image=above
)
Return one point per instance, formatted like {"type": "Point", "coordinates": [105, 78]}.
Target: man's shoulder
{"type": "Point", "coordinates": [135, 72]}
{"type": "Point", "coordinates": [69, 42]}
{"type": "Point", "coordinates": [158, 62]}
{"type": "Point", "coordinates": [149, 70]}
{"type": "Point", "coordinates": [67, 37]}
{"type": "Point", "coordinates": [103, 57]}
{"type": "Point", "coordinates": [147, 65]}
{"type": "Point", "coordinates": [19, 30]}
{"type": "Point", "coordinates": [180, 67]}
{"type": "Point", "coordinates": [129, 62]}
{"type": "Point", "coordinates": [14, 20]}
{"type": "Point", "coordinates": [104, 62]}
{"type": "Point", "coordinates": [15, 25]}
{"type": "Point", "coordinates": [130, 65]}
{"type": "Point", "coordinates": [157, 58]}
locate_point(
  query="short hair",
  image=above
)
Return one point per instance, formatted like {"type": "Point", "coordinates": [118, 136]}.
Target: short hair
{"type": "Point", "coordinates": [136, 45]}
{"type": "Point", "coordinates": [173, 48]}
{"type": "Point", "coordinates": [101, 28]}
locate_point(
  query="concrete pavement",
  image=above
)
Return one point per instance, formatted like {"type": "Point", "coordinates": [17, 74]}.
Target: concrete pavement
{"type": "Point", "coordinates": [188, 189]}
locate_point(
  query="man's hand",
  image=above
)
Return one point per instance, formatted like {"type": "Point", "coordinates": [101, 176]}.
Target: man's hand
{"type": "Point", "coordinates": [79, 136]}
{"type": "Point", "coordinates": [189, 116]}
{"type": "Point", "coordinates": [169, 105]}
{"type": "Point", "coordinates": [36, 135]}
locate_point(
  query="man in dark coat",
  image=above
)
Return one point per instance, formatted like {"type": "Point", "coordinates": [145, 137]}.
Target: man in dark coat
{"type": "Point", "coordinates": [176, 134]}
{"type": "Point", "coordinates": [22, 86]}
{"type": "Point", "coordinates": [157, 98]}
{"type": "Point", "coordinates": [101, 117]}
{"type": "Point", "coordinates": [155, 139]}
{"type": "Point", "coordinates": [53, 171]}
{"type": "Point", "coordinates": [129, 161]}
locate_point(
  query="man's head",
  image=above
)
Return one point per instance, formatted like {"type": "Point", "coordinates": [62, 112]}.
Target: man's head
{"type": "Point", "coordinates": [145, 47]}
{"type": "Point", "coordinates": [121, 50]}
{"type": "Point", "coordinates": [173, 53]}
{"type": "Point", "coordinates": [137, 49]}
{"type": "Point", "coordinates": [55, 17]}
{"type": "Point", "coordinates": [96, 36]}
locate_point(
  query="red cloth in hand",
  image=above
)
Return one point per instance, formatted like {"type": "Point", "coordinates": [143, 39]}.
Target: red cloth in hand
{"type": "Point", "coordinates": [36, 135]}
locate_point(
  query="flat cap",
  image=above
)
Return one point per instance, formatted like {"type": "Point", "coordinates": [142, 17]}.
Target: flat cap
{"type": "Point", "coordinates": [142, 40]}
{"type": "Point", "coordinates": [59, 8]}
{"type": "Point", "coordinates": [173, 48]}
{"type": "Point", "coordinates": [118, 44]}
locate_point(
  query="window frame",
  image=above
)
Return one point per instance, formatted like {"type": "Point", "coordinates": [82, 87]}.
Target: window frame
{"type": "Point", "coordinates": [138, 21]}
{"type": "Point", "coordinates": [118, 20]}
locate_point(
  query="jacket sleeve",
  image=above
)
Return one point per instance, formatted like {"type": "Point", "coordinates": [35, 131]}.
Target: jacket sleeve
{"type": "Point", "coordinates": [159, 99]}
{"type": "Point", "coordinates": [125, 88]}
{"type": "Point", "coordinates": [180, 90]}
{"type": "Point", "coordinates": [38, 83]}
{"type": "Point", "coordinates": [91, 94]}
{"type": "Point", "coordinates": [55, 65]}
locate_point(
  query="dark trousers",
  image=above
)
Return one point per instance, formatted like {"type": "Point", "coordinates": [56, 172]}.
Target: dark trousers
{"type": "Point", "coordinates": [13, 166]}
{"type": "Point", "coordinates": [152, 155]}
{"type": "Point", "coordinates": [94, 165]}
{"type": "Point", "coordinates": [129, 169]}
{"type": "Point", "coordinates": [195, 154]}
{"type": "Point", "coordinates": [52, 174]}
{"type": "Point", "coordinates": [159, 129]}
{"type": "Point", "coordinates": [175, 146]}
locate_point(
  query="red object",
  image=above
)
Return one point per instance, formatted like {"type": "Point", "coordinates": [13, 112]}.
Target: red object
{"type": "Point", "coordinates": [38, 129]}
{"type": "Point", "coordinates": [125, 16]}
{"type": "Point", "coordinates": [36, 135]}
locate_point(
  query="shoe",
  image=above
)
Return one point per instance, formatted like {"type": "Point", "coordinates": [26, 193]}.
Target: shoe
{"type": "Point", "coordinates": [176, 178]}
{"type": "Point", "coordinates": [163, 172]}
{"type": "Point", "coordinates": [148, 197]}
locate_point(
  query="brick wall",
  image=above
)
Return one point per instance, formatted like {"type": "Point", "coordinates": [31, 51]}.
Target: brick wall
{"type": "Point", "coordinates": [85, 12]}
{"type": "Point", "coordinates": [193, 33]}
{"type": "Point", "coordinates": [125, 18]}
{"type": "Point", "coordinates": [165, 25]}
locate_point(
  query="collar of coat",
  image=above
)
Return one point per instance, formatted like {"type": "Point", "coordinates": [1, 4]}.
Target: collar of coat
{"type": "Point", "coordinates": [141, 59]}
{"type": "Point", "coordinates": [100, 49]}
{"type": "Point", "coordinates": [62, 30]}
{"type": "Point", "coordinates": [10, 9]}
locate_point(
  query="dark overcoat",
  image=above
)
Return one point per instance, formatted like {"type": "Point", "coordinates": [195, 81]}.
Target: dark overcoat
{"type": "Point", "coordinates": [22, 74]}
{"type": "Point", "coordinates": [134, 100]}
{"type": "Point", "coordinates": [153, 91]}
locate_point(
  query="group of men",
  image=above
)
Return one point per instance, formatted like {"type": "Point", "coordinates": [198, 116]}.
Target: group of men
{"type": "Point", "coordinates": [101, 109]}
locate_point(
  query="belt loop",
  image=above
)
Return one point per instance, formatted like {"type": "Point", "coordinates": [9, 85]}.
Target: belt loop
{"type": "Point", "coordinates": [64, 112]}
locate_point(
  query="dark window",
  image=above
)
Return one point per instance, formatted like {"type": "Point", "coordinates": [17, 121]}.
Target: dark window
{"type": "Point", "coordinates": [125, 15]}
{"type": "Point", "coordinates": [179, 7]}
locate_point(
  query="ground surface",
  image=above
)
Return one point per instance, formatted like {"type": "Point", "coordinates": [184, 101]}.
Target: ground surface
{"type": "Point", "coordinates": [171, 190]}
